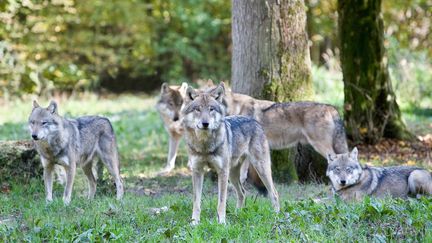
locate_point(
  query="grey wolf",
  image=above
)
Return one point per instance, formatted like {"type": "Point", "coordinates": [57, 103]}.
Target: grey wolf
{"type": "Point", "coordinates": [72, 142]}
{"type": "Point", "coordinates": [169, 106]}
{"type": "Point", "coordinates": [352, 181]}
{"type": "Point", "coordinates": [220, 142]}
{"type": "Point", "coordinates": [287, 124]}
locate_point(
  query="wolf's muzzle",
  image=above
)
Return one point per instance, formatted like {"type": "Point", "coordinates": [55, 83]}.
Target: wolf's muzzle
{"type": "Point", "coordinates": [35, 137]}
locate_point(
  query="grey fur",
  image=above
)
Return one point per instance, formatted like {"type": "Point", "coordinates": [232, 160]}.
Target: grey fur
{"type": "Point", "coordinates": [71, 143]}
{"type": "Point", "coordinates": [220, 142]}
{"type": "Point", "coordinates": [352, 181]}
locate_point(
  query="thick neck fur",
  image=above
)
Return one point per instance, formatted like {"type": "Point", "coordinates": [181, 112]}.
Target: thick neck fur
{"type": "Point", "coordinates": [205, 142]}
{"type": "Point", "coordinates": [58, 140]}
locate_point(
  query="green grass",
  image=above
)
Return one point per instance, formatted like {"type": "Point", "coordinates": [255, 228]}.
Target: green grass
{"type": "Point", "coordinates": [24, 215]}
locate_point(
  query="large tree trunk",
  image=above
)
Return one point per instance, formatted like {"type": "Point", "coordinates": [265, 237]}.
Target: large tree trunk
{"type": "Point", "coordinates": [371, 111]}
{"type": "Point", "coordinates": [271, 61]}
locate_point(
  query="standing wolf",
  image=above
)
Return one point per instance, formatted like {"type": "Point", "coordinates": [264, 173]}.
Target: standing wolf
{"type": "Point", "coordinates": [169, 106]}
{"type": "Point", "coordinates": [219, 142]}
{"type": "Point", "coordinates": [289, 123]}
{"type": "Point", "coordinates": [72, 142]}
{"type": "Point", "coordinates": [351, 181]}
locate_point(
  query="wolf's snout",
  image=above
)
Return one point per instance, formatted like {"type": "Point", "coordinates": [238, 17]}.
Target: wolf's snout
{"type": "Point", "coordinates": [176, 118]}
{"type": "Point", "coordinates": [205, 124]}
{"type": "Point", "coordinates": [35, 137]}
{"type": "Point", "coordinates": [343, 182]}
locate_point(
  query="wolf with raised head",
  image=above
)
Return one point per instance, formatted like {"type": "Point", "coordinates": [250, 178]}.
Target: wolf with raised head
{"type": "Point", "coordinates": [71, 143]}
{"type": "Point", "coordinates": [352, 181]}
{"type": "Point", "coordinates": [220, 142]}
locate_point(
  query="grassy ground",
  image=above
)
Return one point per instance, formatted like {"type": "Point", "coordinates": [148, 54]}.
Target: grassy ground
{"type": "Point", "coordinates": [159, 208]}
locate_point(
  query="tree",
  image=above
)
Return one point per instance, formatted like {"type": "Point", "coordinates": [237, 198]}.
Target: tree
{"type": "Point", "coordinates": [271, 60]}
{"type": "Point", "coordinates": [371, 110]}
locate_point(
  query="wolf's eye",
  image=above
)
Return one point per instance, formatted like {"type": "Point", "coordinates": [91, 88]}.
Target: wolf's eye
{"type": "Point", "coordinates": [197, 109]}
{"type": "Point", "coordinates": [44, 123]}
{"type": "Point", "coordinates": [211, 108]}
{"type": "Point", "coordinates": [337, 169]}
{"type": "Point", "coordinates": [349, 169]}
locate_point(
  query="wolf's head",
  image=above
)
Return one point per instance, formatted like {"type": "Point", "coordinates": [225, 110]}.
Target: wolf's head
{"type": "Point", "coordinates": [171, 101]}
{"type": "Point", "coordinates": [204, 110]}
{"type": "Point", "coordinates": [344, 169]}
{"type": "Point", "coordinates": [44, 122]}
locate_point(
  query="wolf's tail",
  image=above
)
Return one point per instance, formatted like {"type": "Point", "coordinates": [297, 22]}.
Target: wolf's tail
{"type": "Point", "coordinates": [255, 180]}
{"type": "Point", "coordinates": [340, 145]}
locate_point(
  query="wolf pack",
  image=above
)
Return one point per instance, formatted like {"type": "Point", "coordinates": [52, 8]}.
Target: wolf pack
{"type": "Point", "coordinates": [230, 133]}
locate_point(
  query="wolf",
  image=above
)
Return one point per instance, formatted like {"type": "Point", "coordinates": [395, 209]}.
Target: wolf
{"type": "Point", "coordinates": [169, 106]}
{"type": "Point", "coordinates": [289, 123]}
{"type": "Point", "coordinates": [220, 142]}
{"type": "Point", "coordinates": [352, 181]}
{"type": "Point", "coordinates": [72, 142]}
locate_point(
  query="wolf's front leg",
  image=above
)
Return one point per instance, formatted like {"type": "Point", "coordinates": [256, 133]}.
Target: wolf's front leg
{"type": "Point", "coordinates": [197, 183]}
{"type": "Point", "coordinates": [222, 194]}
{"type": "Point", "coordinates": [70, 176]}
{"type": "Point", "coordinates": [172, 153]}
{"type": "Point", "coordinates": [48, 169]}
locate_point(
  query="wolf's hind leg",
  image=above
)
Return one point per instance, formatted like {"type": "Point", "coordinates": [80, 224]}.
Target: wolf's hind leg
{"type": "Point", "coordinates": [91, 179]}
{"type": "Point", "coordinates": [420, 182]}
{"type": "Point", "coordinates": [108, 154]}
{"type": "Point", "coordinates": [238, 186]}
{"type": "Point", "coordinates": [262, 163]}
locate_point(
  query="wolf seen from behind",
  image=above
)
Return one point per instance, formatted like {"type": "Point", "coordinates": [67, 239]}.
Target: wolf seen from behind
{"type": "Point", "coordinates": [71, 143]}
{"type": "Point", "coordinates": [221, 142]}
{"type": "Point", "coordinates": [352, 181]}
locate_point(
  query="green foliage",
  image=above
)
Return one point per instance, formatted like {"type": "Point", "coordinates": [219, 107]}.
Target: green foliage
{"type": "Point", "coordinates": [71, 45]}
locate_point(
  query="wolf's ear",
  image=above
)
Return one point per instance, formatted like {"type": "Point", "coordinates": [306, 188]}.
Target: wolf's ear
{"type": "Point", "coordinates": [183, 89]}
{"type": "Point", "coordinates": [219, 92]}
{"type": "Point", "coordinates": [191, 94]}
{"type": "Point", "coordinates": [354, 153]}
{"type": "Point", "coordinates": [35, 104]}
{"type": "Point", "coordinates": [210, 83]}
{"type": "Point", "coordinates": [52, 107]}
{"type": "Point", "coordinates": [164, 88]}
{"type": "Point", "coordinates": [331, 158]}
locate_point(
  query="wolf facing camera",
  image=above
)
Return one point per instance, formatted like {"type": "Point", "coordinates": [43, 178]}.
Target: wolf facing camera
{"type": "Point", "coordinates": [352, 181]}
{"type": "Point", "coordinates": [221, 143]}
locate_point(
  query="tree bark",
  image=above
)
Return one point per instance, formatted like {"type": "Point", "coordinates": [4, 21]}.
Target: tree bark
{"type": "Point", "coordinates": [271, 60]}
{"type": "Point", "coordinates": [371, 110]}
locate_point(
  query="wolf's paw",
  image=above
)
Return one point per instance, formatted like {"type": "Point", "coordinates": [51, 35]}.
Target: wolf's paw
{"type": "Point", "coordinates": [66, 201]}
{"type": "Point", "coordinates": [194, 222]}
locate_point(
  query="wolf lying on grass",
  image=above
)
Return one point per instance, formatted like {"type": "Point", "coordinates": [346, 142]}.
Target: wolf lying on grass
{"type": "Point", "coordinates": [351, 181]}
{"type": "Point", "coordinates": [219, 142]}
{"type": "Point", "coordinates": [72, 142]}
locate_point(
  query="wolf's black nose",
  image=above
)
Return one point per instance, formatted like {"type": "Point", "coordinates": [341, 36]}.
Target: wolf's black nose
{"type": "Point", "coordinates": [34, 136]}
{"type": "Point", "coordinates": [176, 118]}
{"type": "Point", "coordinates": [205, 124]}
{"type": "Point", "coordinates": [343, 182]}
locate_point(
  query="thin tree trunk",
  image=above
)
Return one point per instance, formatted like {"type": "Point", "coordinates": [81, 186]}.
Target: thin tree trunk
{"type": "Point", "coordinates": [371, 110]}
{"type": "Point", "coordinates": [271, 60]}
